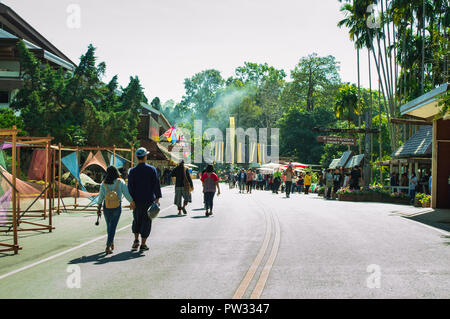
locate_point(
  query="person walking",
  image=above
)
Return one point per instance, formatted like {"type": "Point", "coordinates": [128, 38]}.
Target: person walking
{"type": "Point", "coordinates": [145, 189]}
{"type": "Point", "coordinates": [337, 178]}
{"type": "Point", "coordinates": [355, 177]}
{"type": "Point", "coordinates": [242, 179]}
{"type": "Point", "coordinates": [412, 187]}
{"type": "Point", "coordinates": [300, 183]}
{"type": "Point", "coordinates": [276, 181]}
{"type": "Point", "coordinates": [110, 198]}
{"type": "Point", "coordinates": [307, 182]}
{"type": "Point", "coordinates": [210, 183]}
{"type": "Point", "coordinates": [183, 187]}
{"type": "Point", "coordinates": [328, 183]}
{"type": "Point", "coordinates": [289, 173]}
{"type": "Point", "coordinates": [249, 180]}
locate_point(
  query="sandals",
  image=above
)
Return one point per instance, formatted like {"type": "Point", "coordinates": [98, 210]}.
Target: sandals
{"type": "Point", "coordinates": [108, 250]}
{"type": "Point", "coordinates": [135, 245]}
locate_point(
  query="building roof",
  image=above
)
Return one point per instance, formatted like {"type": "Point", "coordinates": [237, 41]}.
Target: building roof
{"type": "Point", "coordinates": [419, 145]}
{"type": "Point", "coordinates": [161, 118]}
{"type": "Point", "coordinates": [6, 35]}
{"type": "Point", "coordinates": [425, 106]}
{"type": "Point", "coordinates": [355, 161]}
{"type": "Point", "coordinates": [11, 22]}
{"type": "Point", "coordinates": [334, 163]}
{"type": "Point", "coordinates": [344, 159]}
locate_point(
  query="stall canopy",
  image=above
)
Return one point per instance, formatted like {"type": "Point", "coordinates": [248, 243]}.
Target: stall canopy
{"type": "Point", "coordinates": [419, 145]}
{"type": "Point", "coordinates": [334, 163]}
{"type": "Point", "coordinates": [355, 161]}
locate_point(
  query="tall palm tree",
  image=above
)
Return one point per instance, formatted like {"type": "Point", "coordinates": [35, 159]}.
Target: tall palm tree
{"type": "Point", "coordinates": [346, 105]}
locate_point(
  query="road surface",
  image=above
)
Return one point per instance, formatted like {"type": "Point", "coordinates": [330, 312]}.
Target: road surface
{"type": "Point", "coordinates": [258, 245]}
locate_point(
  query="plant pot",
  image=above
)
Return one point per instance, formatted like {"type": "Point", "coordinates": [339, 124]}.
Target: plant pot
{"type": "Point", "coordinates": [417, 203]}
{"type": "Point", "coordinates": [346, 197]}
{"type": "Point", "coordinates": [426, 204]}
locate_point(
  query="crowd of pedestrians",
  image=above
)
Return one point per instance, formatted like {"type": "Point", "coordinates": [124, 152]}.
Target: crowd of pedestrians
{"type": "Point", "coordinates": [288, 181]}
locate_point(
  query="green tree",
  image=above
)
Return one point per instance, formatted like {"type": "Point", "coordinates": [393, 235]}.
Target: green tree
{"type": "Point", "coordinates": [297, 138]}
{"type": "Point", "coordinates": [346, 105]}
{"type": "Point", "coordinates": [314, 78]}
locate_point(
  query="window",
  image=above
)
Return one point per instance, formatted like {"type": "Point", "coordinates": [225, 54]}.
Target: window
{"type": "Point", "coordinates": [4, 97]}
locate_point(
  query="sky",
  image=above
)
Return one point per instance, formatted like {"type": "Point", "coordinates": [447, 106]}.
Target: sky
{"type": "Point", "coordinates": [165, 41]}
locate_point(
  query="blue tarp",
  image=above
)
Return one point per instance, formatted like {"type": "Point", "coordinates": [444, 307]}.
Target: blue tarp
{"type": "Point", "coordinates": [119, 162]}
{"type": "Point", "coordinates": [71, 163]}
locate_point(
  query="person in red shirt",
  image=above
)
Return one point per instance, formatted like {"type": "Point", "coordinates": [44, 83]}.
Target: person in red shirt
{"type": "Point", "coordinates": [210, 182]}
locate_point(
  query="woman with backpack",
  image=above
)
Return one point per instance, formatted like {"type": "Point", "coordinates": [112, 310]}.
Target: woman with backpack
{"type": "Point", "coordinates": [210, 182]}
{"type": "Point", "coordinates": [110, 197]}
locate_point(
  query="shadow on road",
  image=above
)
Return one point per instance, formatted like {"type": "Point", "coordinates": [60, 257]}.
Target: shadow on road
{"type": "Point", "coordinates": [198, 209]}
{"type": "Point", "coordinates": [172, 216]}
{"type": "Point", "coordinates": [199, 217]}
{"type": "Point", "coordinates": [102, 258]}
{"type": "Point", "coordinates": [438, 218]}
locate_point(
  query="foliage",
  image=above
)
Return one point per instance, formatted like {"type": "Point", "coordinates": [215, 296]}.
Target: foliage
{"type": "Point", "coordinates": [423, 198]}
{"type": "Point", "coordinates": [346, 105]}
{"type": "Point", "coordinates": [77, 108]}
{"type": "Point", "coordinates": [8, 119]}
{"type": "Point", "coordinates": [297, 139]}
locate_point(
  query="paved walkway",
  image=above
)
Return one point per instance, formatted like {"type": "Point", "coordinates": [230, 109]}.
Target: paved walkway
{"type": "Point", "coordinates": [255, 246]}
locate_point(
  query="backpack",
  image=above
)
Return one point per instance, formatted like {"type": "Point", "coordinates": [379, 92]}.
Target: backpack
{"type": "Point", "coordinates": [112, 200]}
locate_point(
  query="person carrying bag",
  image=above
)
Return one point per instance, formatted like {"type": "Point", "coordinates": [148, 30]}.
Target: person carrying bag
{"type": "Point", "coordinates": [111, 191]}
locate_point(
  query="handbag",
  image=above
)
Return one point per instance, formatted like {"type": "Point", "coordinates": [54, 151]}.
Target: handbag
{"type": "Point", "coordinates": [153, 211]}
{"type": "Point", "coordinates": [187, 185]}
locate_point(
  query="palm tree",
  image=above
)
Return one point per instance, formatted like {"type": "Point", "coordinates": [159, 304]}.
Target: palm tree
{"type": "Point", "coordinates": [346, 105]}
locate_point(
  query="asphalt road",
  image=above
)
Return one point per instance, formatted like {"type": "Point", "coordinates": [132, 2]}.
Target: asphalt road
{"type": "Point", "coordinates": [258, 245]}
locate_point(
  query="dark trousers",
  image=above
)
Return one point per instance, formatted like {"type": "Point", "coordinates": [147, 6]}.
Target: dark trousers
{"type": "Point", "coordinates": [288, 188]}
{"type": "Point", "coordinates": [307, 189]}
{"type": "Point", "coordinates": [209, 198]}
{"type": "Point", "coordinates": [336, 187]}
{"type": "Point", "coordinates": [142, 224]}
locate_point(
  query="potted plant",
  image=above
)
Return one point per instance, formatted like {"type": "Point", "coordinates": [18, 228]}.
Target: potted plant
{"type": "Point", "coordinates": [346, 194]}
{"type": "Point", "coordinates": [321, 190]}
{"type": "Point", "coordinates": [425, 200]}
{"type": "Point", "coordinates": [418, 199]}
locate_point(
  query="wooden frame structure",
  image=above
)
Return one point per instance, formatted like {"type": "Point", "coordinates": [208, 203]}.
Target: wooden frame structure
{"type": "Point", "coordinates": [46, 195]}
{"type": "Point", "coordinates": [57, 174]}
{"type": "Point", "coordinates": [15, 245]}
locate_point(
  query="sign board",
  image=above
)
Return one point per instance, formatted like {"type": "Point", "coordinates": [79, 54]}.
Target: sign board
{"type": "Point", "coordinates": [337, 140]}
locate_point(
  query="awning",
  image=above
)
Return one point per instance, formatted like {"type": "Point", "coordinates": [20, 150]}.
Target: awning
{"type": "Point", "coordinates": [425, 106]}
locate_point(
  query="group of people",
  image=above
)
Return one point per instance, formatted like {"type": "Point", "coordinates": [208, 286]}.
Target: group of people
{"type": "Point", "coordinates": [287, 181]}
{"type": "Point", "coordinates": [142, 192]}
{"type": "Point", "coordinates": [335, 179]}
{"type": "Point", "coordinates": [411, 185]}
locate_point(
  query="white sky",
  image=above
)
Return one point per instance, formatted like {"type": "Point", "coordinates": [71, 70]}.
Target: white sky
{"type": "Point", "coordinates": [166, 41]}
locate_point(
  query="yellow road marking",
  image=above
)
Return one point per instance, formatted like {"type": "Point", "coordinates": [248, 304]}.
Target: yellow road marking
{"type": "Point", "coordinates": [268, 266]}
{"type": "Point", "coordinates": [252, 270]}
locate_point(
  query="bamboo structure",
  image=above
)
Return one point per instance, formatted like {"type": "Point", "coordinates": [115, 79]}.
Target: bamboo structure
{"type": "Point", "coordinates": [15, 245]}
{"type": "Point", "coordinates": [17, 213]}
{"type": "Point", "coordinates": [77, 206]}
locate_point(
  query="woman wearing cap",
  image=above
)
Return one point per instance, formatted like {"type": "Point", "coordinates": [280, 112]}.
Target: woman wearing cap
{"type": "Point", "coordinates": [210, 182]}
{"type": "Point", "coordinates": [112, 189]}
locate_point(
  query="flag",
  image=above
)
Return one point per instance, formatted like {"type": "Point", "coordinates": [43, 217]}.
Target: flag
{"type": "Point", "coordinates": [169, 134]}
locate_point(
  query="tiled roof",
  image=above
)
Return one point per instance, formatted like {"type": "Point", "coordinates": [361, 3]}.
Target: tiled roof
{"type": "Point", "coordinates": [334, 163]}
{"type": "Point", "coordinates": [344, 158]}
{"type": "Point", "coordinates": [417, 146]}
{"type": "Point", "coordinates": [355, 161]}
